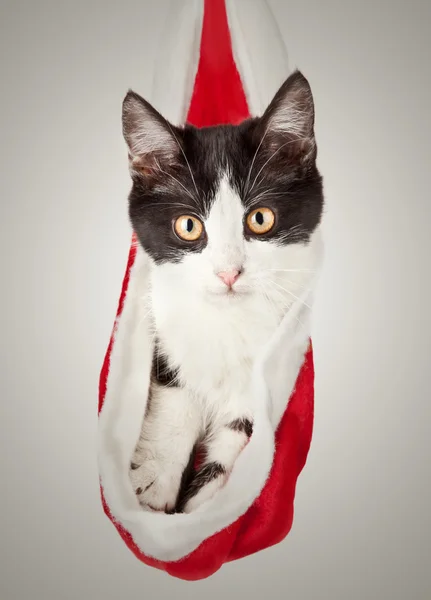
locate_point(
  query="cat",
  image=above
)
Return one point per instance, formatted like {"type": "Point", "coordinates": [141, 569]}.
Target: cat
{"type": "Point", "coordinates": [229, 217]}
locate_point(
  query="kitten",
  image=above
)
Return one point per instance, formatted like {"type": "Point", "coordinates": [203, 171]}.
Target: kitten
{"type": "Point", "coordinates": [229, 217]}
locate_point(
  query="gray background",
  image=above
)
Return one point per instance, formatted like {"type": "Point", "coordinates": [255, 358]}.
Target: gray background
{"type": "Point", "coordinates": [362, 525]}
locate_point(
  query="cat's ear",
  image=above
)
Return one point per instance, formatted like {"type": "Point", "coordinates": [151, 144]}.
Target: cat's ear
{"type": "Point", "coordinates": [153, 142]}
{"type": "Point", "coordinates": [287, 126]}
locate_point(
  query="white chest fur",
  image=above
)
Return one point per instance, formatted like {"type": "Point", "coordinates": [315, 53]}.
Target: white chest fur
{"type": "Point", "coordinates": [213, 344]}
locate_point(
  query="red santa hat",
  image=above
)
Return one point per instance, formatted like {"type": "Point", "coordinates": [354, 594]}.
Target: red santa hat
{"type": "Point", "coordinates": [221, 62]}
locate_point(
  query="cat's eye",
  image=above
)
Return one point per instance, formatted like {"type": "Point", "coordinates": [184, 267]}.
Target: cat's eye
{"type": "Point", "coordinates": [261, 220]}
{"type": "Point", "coordinates": [188, 228]}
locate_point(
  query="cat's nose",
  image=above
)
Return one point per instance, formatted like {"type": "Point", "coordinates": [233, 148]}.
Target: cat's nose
{"type": "Point", "coordinates": [229, 277]}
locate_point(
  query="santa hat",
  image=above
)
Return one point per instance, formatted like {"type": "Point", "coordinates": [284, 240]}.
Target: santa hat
{"type": "Point", "coordinates": [221, 62]}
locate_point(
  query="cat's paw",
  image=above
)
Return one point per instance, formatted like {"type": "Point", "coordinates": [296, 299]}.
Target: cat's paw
{"type": "Point", "coordinates": [206, 483]}
{"type": "Point", "coordinates": [156, 483]}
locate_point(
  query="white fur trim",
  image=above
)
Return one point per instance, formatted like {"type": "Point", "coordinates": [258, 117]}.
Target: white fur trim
{"type": "Point", "coordinates": [178, 59]}
{"type": "Point", "coordinates": [259, 51]}
{"type": "Point", "coordinates": [171, 537]}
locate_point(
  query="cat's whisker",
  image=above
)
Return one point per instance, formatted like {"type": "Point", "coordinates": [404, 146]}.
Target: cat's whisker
{"type": "Point", "coordinates": [272, 281]}
{"type": "Point", "coordinates": [185, 158]}
{"type": "Point", "coordinates": [295, 234]}
{"type": "Point", "coordinates": [247, 183]}
{"type": "Point", "coordinates": [271, 157]}
{"type": "Point", "coordinates": [270, 301]}
{"type": "Point", "coordinates": [295, 228]}
{"type": "Point", "coordinates": [293, 270]}
{"type": "Point", "coordinates": [293, 283]}
{"type": "Point", "coordinates": [292, 294]}
{"type": "Point", "coordinates": [296, 283]}
{"type": "Point", "coordinates": [175, 179]}
{"type": "Point", "coordinates": [266, 194]}
{"type": "Point", "coordinates": [172, 204]}
{"type": "Point", "coordinates": [285, 305]}
{"type": "Point", "coordinates": [145, 316]}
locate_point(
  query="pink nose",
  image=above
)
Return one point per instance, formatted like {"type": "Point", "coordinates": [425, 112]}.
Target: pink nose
{"type": "Point", "coordinates": [229, 277]}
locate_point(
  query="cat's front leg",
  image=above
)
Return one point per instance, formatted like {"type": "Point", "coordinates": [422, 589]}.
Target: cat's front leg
{"type": "Point", "coordinates": [169, 433]}
{"type": "Point", "coordinates": [224, 441]}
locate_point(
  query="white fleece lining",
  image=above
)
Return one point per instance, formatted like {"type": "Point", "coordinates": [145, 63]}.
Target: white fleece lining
{"type": "Point", "coordinates": [171, 537]}
{"type": "Point", "coordinates": [177, 60]}
{"type": "Point", "coordinates": [258, 49]}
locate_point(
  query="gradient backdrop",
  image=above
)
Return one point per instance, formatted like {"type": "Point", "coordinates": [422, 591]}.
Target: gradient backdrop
{"type": "Point", "coordinates": [362, 527]}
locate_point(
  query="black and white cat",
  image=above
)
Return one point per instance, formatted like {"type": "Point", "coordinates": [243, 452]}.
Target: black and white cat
{"type": "Point", "coordinates": [229, 217]}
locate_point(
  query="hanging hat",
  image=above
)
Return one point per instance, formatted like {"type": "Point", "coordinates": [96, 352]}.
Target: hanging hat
{"type": "Point", "coordinates": [221, 62]}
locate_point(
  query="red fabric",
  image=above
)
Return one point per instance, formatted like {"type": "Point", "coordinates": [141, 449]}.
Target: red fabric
{"type": "Point", "coordinates": [219, 98]}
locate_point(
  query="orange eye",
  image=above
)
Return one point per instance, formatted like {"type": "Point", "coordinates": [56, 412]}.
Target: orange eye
{"type": "Point", "coordinates": [261, 220]}
{"type": "Point", "coordinates": [188, 228]}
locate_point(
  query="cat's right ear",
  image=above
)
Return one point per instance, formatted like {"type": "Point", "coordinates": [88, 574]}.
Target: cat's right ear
{"type": "Point", "coordinates": [287, 126]}
{"type": "Point", "coordinates": [153, 143]}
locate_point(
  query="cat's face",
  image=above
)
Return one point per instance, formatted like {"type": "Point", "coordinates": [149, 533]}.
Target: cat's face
{"type": "Point", "coordinates": [228, 212]}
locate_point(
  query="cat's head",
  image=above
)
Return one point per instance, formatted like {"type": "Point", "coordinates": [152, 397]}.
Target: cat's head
{"type": "Point", "coordinates": [227, 211]}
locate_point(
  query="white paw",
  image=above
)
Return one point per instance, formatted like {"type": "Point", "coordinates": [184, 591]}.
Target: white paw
{"type": "Point", "coordinates": [205, 493]}
{"type": "Point", "coordinates": [156, 482]}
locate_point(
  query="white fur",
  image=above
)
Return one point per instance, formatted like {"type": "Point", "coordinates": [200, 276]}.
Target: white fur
{"type": "Point", "coordinates": [168, 434]}
{"type": "Point", "coordinates": [291, 120]}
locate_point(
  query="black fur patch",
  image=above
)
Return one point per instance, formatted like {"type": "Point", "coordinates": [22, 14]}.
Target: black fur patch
{"type": "Point", "coordinates": [243, 425]}
{"type": "Point", "coordinates": [205, 475]}
{"type": "Point", "coordinates": [186, 480]}
{"type": "Point", "coordinates": [162, 372]}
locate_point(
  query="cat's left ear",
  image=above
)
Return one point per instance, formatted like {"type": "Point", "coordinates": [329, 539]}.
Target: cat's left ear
{"type": "Point", "coordinates": [153, 143]}
{"type": "Point", "coordinates": [287, 126]}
